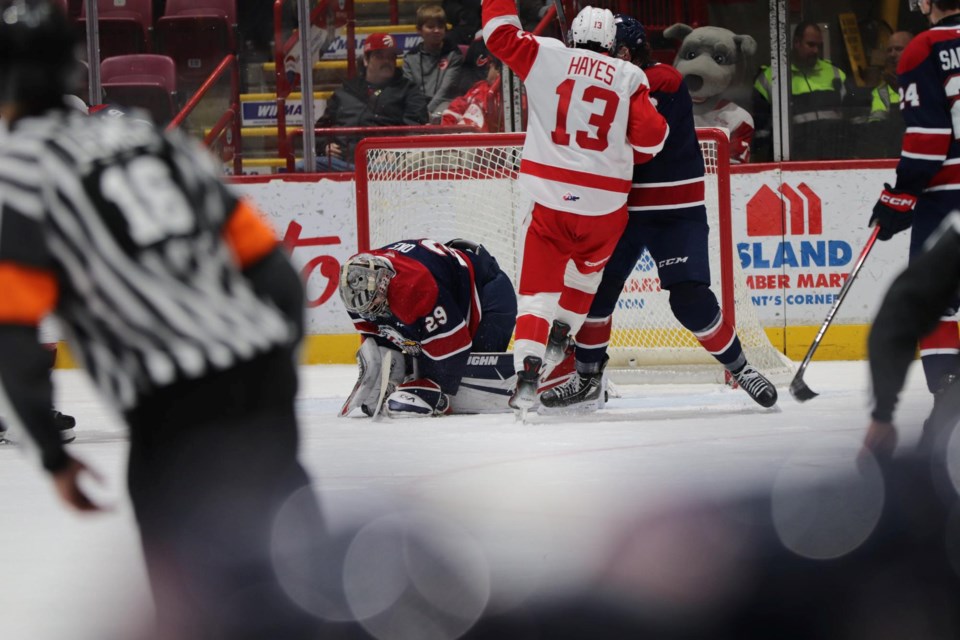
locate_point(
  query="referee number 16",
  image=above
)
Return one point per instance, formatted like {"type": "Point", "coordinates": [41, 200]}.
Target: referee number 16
{"type": "Point", "coordinates": [148, 198]}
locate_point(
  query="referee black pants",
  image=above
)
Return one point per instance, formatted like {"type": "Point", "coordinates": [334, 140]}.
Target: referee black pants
{"type": "Point", "coordinates": [230, 528]}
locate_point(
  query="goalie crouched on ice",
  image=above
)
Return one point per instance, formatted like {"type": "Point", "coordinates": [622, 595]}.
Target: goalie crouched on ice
{"type": "Point", "coordinates": [434, 304]}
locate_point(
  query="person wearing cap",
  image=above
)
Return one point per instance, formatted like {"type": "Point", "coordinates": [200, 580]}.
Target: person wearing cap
{"type": "Point", "coordinates": [380, 96]}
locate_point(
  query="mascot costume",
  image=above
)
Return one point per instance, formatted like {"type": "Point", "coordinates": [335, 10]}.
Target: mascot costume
{"type": "Point", "coordinates": [712, 61]}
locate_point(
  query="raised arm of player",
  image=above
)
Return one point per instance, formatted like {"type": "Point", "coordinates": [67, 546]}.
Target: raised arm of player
{"type": "Point", "coordinates": [507, 40]}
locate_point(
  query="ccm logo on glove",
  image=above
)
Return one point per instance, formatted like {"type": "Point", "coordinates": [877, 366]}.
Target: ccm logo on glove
{"type": "Point", "coordinates": [898, 201]}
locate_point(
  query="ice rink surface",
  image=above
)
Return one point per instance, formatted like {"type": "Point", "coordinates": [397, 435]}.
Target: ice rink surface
{"type": "Point", "coordinates": [538, 501]}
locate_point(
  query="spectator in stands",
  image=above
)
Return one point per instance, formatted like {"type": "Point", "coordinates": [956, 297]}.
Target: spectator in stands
{"type": "Point", "coordinates": [482, 105]}
{"type": "Point", "coordinates": [885, 126]}
{"type": "Point", "coordinates": [887, 95]}
{"type": "Point", "coordinates": [817, 92]}
{"type": "Point", "coordinates": [381, 96]}
{"type": "Point", "coordinates": [434, 64]}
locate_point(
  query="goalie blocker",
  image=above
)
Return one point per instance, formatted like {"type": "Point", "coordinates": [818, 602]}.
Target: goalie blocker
{"type": "Point", "coordinates": [487, 384]}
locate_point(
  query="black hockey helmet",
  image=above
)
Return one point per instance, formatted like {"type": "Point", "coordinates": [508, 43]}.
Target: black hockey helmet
{"type": "Point", "coordinates": [38, 62]}
{"type": "Point", "coordinates": [630, 33]}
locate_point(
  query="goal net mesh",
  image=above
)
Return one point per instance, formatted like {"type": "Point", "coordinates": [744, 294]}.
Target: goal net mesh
{"type": "Point", "coordinates": [464, 186]}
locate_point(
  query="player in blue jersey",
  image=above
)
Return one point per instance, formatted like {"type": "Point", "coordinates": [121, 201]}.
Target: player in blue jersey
{"type": "Point", "coordinates": [436, 303]}
{"type": "Point", "coordinates": [928, 174]}
{"type": "Point", "coordinates": [668, 217]}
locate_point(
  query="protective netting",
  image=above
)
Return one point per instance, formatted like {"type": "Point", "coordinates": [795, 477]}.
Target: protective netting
{"type": "Point", "coordinates": [464, 186]}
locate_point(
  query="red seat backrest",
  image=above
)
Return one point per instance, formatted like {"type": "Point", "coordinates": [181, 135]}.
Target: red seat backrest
{"type": "Point", "coordinates": [225, 8]}
{"type": "Point", "coordinates": [137, 10]}
{"type": "Point", "coordinates": [142, 67]}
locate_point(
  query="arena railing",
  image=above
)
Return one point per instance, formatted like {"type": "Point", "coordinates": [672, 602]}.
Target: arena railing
{"type": "Point", "coordinates": [229, 121]}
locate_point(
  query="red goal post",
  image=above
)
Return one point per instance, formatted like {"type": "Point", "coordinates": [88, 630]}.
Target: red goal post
{"type": "Point", "coordinates": [449, 186]}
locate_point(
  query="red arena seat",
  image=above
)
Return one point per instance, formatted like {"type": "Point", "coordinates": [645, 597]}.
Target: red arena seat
{"type": "Point", "coordinates": [197, 34]}
{"type": "Point", "coordinates": [147, 81]}
{"type": "Point", "coordinates": [125, 26]}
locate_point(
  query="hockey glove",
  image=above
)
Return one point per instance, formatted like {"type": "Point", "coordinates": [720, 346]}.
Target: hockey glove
{"type": "Point", "coordinates": [893, 212]}
{"type": "Point", "coordinates": [421, 397]}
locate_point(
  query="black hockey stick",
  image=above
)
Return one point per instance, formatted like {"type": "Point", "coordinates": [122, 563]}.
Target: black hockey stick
{"type": "Point", "coordinates": [562, 19]}
{"type": "Point", "coordinates": [798, 388]}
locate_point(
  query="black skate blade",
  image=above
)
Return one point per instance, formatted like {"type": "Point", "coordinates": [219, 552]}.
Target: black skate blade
{"type": "Point", "coordinates": [800, 391]}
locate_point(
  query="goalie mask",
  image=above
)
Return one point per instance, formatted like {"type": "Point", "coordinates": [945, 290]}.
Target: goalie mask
{"type": "Point", "coordinates": [364, 280]}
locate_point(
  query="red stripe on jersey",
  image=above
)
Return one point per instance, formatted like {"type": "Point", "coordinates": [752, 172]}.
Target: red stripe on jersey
{"type": "Point", "coordinates": [595, 333]}
{"type": "Point", "coordinates": [364, 326]}
{"type": "Point", "coordinates": [476, 313]}
{"type": "Point", "coordinates": [718, 339]}
{"type": "Point", "coordinates": [572, 176]}
{"type": "Point", "coordinates": [928, 144]}
{"type": "Point", "coordinates": [666, 195]}
{"type": "Point", "coordinates": [447, 344]}
{"type": "Point", "coordinates": [920, 47]}
{"type": "Point", "coordinates": [531, 327]}
{"type": "Point", "coordinates": [944, 336]}
{"type": "Point", "coordinates": [948, 174]}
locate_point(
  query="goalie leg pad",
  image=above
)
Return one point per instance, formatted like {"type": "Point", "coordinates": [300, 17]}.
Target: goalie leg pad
{"type": "Point", "coordinates": [421, 397]}
{"type": "Point", "coordinates": [366, 392]}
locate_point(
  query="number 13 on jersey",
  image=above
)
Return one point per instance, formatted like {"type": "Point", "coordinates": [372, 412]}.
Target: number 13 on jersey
{"type": "Point", "coordinates": [600, 120]}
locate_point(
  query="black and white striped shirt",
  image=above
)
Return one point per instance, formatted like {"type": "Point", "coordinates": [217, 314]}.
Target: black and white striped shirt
{"type": "Point", "coordinates": [130, 222]}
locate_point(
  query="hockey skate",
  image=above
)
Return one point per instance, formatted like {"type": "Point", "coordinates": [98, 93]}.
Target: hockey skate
{"type": "Point", "coordinates": [66, 424]}
{"type": "Point", "coordinates": [582, 392]}
{"type": "Point", "coordinates": [525, 395]}
{"type": "Point", "coordinates": [757, 387]}
{"type": "Point", "coordinates": [557, 343]}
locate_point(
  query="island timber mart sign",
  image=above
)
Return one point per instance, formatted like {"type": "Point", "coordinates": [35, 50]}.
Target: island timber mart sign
{"type": "Point", "coordinates": [788, 259]}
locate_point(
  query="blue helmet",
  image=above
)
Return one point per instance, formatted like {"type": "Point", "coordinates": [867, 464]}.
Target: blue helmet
{"type": "Point", "coordinates": [630, 32]}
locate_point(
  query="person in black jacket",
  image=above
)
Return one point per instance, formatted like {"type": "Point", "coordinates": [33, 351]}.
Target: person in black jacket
{"type": "Point", "coordinates": [911, 309]}
{"type": "Point", "coordinates": [381, 96]}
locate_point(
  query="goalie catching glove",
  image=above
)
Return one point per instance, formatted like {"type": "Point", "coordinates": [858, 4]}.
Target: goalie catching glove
{"type": "Point", "coordinates": [893, 212]}
{"type": "Point", "coordinates": [421, 397]}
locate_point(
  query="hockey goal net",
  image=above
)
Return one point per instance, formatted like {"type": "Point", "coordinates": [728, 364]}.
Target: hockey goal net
{"type": "Point", "coordinates": [464, 186]}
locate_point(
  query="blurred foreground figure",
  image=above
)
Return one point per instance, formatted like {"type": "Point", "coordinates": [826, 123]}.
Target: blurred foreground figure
{"type": "Point", "coordinates": [870, 553]}
{"type": "Point", "coordinates": [184, 312]}
{"type": "Point", "coordinates": [912, 309]}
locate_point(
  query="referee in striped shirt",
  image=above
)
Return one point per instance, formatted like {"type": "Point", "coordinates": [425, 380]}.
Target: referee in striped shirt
{"type": "Point", "coordinates": [182, 308]}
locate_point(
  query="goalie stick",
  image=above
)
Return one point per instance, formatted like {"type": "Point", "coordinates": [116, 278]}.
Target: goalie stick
{"type": "Point", "coordinates": [798, 388]}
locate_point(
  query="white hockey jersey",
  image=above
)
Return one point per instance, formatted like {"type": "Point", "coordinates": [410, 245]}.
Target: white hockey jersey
{"type": "Point", "coordinates": [589, 117]}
